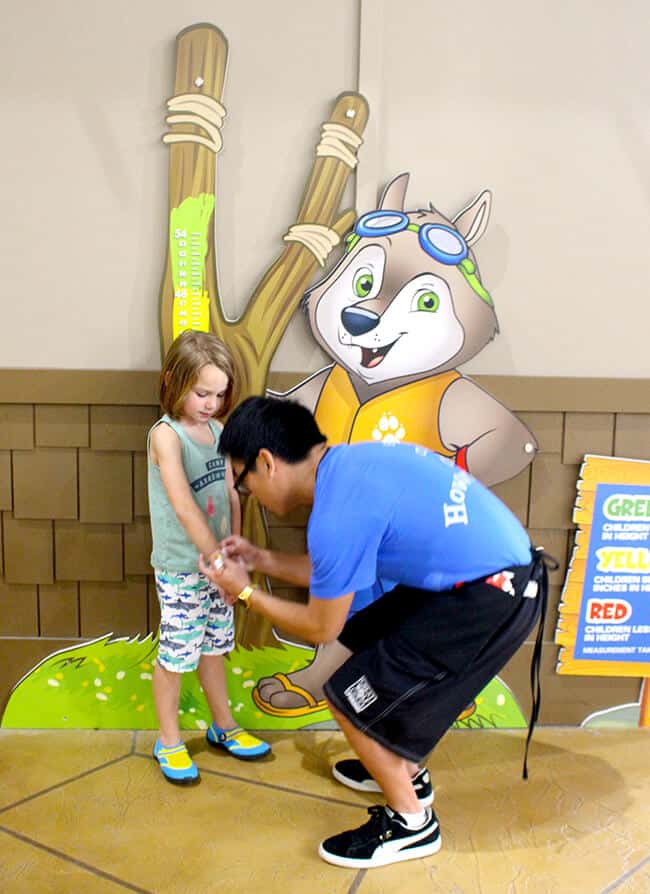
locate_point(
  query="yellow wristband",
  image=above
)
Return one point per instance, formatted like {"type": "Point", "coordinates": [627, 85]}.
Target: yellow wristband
{"type": "Point", "coordinates": [245, 595]}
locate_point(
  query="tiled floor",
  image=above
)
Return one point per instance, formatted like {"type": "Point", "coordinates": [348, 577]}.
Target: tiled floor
{"type": "Point", "coordinates": [89, 812]}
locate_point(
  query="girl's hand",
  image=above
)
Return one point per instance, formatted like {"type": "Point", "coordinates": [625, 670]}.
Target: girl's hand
{"type": "Point", "coordinates": [231, 578]}
{"type": "Point", "coordinates": [237, 547]}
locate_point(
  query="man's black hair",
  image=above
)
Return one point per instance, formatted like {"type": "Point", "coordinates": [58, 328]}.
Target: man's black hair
{"type": "Point", "coordinates": [285, 428]}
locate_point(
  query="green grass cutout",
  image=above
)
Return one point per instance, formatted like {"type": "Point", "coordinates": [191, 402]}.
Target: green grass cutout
{"type": "Point", "coordinates": [106, 684]}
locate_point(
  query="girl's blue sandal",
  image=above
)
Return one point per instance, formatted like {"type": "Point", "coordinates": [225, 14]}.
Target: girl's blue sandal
{"type": "Point", "coordinates": [176, 764]}
{"type": "Point", "coordinates": [237, 742]}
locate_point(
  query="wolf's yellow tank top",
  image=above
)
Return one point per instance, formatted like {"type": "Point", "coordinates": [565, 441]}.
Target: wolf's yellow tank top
{"type": "Point", "coordinates": [408, 413]}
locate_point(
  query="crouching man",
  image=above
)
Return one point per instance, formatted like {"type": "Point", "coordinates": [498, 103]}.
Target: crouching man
{"type": "Point", "coordinates": [456, 588]}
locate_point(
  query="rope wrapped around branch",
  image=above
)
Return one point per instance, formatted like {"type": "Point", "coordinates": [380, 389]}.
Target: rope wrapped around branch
{"type": "Point", "coordinates": [335, 139]}
{"type": "Point", "coordinates": [199, 111]}
{"type": "Point", "coordinates": [319, 239]}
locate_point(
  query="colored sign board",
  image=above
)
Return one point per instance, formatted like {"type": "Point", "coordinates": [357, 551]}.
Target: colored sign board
{"type": "Point", "coordinates": [604, 621]}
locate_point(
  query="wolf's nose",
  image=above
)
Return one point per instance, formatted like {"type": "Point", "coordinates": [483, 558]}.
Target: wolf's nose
{"type": "Point", "coordinates": [358, 321]}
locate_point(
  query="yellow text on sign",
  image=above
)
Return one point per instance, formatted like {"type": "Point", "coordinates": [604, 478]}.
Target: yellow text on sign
{"type": "Point", "coordinates": [623, 559]}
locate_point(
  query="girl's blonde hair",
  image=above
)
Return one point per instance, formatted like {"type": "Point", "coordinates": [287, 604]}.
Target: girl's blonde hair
{"type": "Point", "coordinates": [185, 359]}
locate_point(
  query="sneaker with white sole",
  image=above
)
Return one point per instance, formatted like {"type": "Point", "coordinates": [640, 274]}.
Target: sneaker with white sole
{"type": "Point", "coordinates": [351, 772]}
{"type": "Point", "coordinates": [384, 839]}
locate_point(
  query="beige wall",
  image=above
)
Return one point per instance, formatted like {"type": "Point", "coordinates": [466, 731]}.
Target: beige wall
{"type": "Point", "coordinates": [545, 104]}
{"type": "Point", "coordinates": [84, 190]}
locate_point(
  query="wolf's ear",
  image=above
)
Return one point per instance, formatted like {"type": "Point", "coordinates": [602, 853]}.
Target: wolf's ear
{"type": "Point", "coordinates": [393, 196]}
{"type": "Point", "coordinates": [472, 221]}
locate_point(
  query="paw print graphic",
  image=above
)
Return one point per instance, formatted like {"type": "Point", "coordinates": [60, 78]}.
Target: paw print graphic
{"type": "Point", "coordinates": [388, 430]}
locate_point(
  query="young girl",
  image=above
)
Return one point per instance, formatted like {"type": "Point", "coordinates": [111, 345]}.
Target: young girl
{"type": "Point", "coordinates": [193, 505]}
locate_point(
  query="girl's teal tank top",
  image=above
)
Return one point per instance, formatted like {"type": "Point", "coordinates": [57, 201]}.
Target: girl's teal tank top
{"type": "Point", "coordinates": [205, 469]}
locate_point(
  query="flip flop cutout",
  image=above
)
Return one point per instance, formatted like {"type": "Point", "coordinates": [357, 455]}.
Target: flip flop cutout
{"type": "Point", "coordinates": [311, 706]}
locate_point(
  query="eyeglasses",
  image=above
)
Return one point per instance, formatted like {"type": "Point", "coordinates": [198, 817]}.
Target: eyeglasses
{"type": "Point", "coordinates": [239, 485]}
{"type": "Point", "coordinates": [442, 243]}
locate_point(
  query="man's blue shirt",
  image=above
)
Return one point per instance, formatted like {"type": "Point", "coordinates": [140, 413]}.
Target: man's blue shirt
{"type": "Point", "coordinates": [398, 513]}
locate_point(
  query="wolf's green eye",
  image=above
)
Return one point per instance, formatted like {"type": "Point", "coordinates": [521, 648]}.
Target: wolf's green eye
{"type": "Point", "coordinates": [428, 301]}
{"type": "Point", "coordinates": [362, 282]}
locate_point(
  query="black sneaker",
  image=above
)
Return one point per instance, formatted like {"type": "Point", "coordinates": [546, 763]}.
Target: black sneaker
{"type": "Point", "coordinates": [352, 773]}
{"type": "Point", "coordinates": [382, 840]}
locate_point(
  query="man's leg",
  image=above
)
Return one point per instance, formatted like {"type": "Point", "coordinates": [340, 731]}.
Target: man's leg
{"type": "Point", "coordinates": [392, 772]}
{"type": "Point", "coordinates": [402, 830]}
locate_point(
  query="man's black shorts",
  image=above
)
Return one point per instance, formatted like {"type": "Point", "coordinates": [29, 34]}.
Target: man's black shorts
{"type": "Point", "coordinates": [420, 657]}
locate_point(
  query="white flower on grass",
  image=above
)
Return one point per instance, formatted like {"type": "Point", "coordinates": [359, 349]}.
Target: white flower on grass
{"type": "Point", "coordinates": [101, 696]}
{"type": "Point", "coordinates": [247, 684]}
{"type": "Point", "coordinates": [145, 677]}
{"type": "Point", "coordinates": [51, 682]}
{"type": "Point", "coordinates": [501, 700]}
{"type": "Point", "coordinates": [120, 675]}
{"type": "Point", "coordinates": [201, 724]}
{"type": "Point", "coordinates": [98, 682]}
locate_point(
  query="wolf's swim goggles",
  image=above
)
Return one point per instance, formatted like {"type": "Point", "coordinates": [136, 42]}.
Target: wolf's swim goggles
{"type": "Point", "coordinates": [442, 243]}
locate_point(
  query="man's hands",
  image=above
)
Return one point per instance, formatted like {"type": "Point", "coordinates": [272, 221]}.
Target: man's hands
{"type": "Point", "coordinates": [237, 547]}
{"type": "Point", "coordinates": [228, 566]}
{"type": "Point", "coordinates": [231, 578]}
{"type": "Point", "coordinates": [319, 621]}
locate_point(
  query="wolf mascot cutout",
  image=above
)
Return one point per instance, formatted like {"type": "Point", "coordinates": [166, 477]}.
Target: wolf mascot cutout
{"type": "Point", "coordinates": [401, 310]}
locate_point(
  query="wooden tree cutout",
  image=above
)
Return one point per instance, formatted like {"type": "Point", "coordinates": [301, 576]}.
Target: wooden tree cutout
{"type": "Point", "coordinates": [189, 295]}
